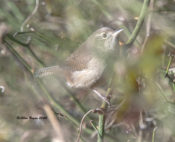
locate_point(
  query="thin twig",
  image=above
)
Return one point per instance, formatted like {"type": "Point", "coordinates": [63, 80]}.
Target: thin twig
{"type": "Point", "coordinates": [20, 60]}
{"type": "Point", "coordinates": [169, 63]}
{"type": "Point", "coordinates": [95, 128]}
{"type": "Point", "coordinates": [139, 23]}
{"type": "Point", "coordinates": [169, 43]}
{"type": "Point", "coordinates": [11, 37]}
{"type": "Point", "coordinates": [81, 123]}
{"type": "Point", "coordinates": [115, 110]}
{"type": "Point", "coordinates": [153, 135]}
{"type": "Point", "coordinates": [55, 104]}
{"type": "Point", "coordinates": [148, 24]}
{"type": "Point", "coordinates": [54, 122]}
{"type": "Point", "coordinates": [140, 135]}
{"type": "Point", "coordinates": [36, 57]}
{"type": "Point", "coordinates": [30, 16]}
{"type": "Point", "coordinates": [102, 9]}
{"type": "Point", "coordinates": [73, 96]}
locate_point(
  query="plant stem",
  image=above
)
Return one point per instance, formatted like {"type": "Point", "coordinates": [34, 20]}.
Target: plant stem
{"type": "Point", "coordinates": [153, 135]}
{"type": "Point", "coordinates": [22, 62]}
{"type": "Point", "coordinates": [169, 63]}
{"type": "Point", "coordinates": [27, 46]}
{"type": "Point", "coordinates": [55, 104]}
{"type": "Point", "coordinates": [101, 118]}
{"type": "Point", "coordinates": [139, 23]}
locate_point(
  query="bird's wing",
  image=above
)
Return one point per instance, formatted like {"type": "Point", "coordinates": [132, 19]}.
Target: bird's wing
{"type": "Point", "coordinates": [79, 59]}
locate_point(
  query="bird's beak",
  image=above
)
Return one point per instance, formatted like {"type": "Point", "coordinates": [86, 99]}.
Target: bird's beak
{"type": "Point", "coordinates": [117, 32]}
{"type": "Point", "coordinates": [114, 36]}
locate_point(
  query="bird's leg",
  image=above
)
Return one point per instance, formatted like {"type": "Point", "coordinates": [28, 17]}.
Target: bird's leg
{"type": "Point", "coordinates": [101, 96]}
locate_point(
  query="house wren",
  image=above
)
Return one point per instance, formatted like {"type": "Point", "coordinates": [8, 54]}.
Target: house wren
{"type": "Point", "coordinates": [85, 66]}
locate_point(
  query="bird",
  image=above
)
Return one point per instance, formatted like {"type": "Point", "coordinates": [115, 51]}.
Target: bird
{"type": "Point", "coordinates": [85, 66]}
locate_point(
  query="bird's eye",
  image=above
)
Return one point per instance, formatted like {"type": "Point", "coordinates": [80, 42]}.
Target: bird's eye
{"type": "Point", "coordinates": [104, 35]}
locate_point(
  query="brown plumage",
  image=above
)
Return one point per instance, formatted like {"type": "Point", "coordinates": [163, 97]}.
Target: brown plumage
{"type": "Point", "coordinates": [85, 65]}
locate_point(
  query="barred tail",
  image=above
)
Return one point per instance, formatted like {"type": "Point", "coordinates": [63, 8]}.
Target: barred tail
{"type": "Point", "coordinates": [47, 71]}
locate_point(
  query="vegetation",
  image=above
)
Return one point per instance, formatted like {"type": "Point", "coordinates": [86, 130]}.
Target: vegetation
{"type": "Point", "coordinates": [139, 79]}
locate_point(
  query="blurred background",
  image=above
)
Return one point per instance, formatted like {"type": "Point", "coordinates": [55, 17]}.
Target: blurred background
{"type": "Point", "coordinates": [41, 33]}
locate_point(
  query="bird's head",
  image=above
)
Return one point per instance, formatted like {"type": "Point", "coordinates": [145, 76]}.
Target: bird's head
{"type": "Point", "coordinates": [105, 40]}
